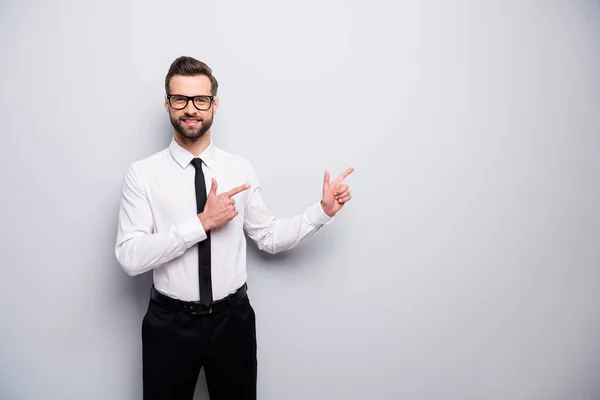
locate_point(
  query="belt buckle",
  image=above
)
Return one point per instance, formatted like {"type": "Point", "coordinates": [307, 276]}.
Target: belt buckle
{"type": "Point", "coordinates": [199, 311]}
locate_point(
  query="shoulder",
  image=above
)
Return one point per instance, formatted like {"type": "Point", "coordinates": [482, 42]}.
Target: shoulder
{"type": "Point", "coordinates": [233, 160]}
{"type": "Point", "coordinates": [147, 166]}
{"type": "Point", "coordinates": [151, 161]}
{"type": "Point", "coordinates": [237, 165]}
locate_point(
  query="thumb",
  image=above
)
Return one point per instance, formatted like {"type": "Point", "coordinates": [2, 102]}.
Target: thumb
{"type": "Point", "coordinates": [326, 180]}
{"type": "Point", "coordinates": [336, 188]}
{"type": "Point", "coordinates": [213, 187]}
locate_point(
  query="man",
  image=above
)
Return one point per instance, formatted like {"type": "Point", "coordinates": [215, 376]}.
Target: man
{"type": "Point", "coordinates": [183, 214]}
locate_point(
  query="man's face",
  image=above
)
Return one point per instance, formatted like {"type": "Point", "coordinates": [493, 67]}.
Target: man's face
{"type": "Point", "coordinates": [190, 122]}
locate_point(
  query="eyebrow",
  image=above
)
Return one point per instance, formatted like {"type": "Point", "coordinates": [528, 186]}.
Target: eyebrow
{"type": "Point", "coordinates": [194, 95]}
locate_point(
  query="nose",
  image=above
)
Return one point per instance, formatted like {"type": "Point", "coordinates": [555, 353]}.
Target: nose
{"type": "Point", "coordinates": [190, 108]}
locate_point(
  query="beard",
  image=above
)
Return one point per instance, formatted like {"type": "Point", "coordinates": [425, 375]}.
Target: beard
{"type": "Point", "coordinates": [191, 133]}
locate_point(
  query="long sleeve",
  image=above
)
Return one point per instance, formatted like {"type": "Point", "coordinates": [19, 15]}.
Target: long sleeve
{"type": "Point", "coordinates": [275, 235]}
{"type": "Point", "coordinates": [139, 248]}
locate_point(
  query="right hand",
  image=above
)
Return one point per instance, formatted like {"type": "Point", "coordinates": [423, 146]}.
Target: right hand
{"type": "Point", "coordinates": [219, 209]}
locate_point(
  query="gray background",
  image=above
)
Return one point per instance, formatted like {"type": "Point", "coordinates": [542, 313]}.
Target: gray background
{"type": "Point", "coordinates": [466, 265]}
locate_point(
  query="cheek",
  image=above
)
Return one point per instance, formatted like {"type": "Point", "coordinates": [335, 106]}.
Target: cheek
{"type": "Point", "coordinates": [173, 114]}
{"type": "Point", "coordinates": [204, 115]}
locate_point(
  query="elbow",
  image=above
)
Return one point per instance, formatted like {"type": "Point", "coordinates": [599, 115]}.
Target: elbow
{"type": "Point", "coordinates": [267, 249]}
{"type": "Point", "coordinates": [269, 245]}
{"type": "Point", "coordinates": [127, 264]}
{"type": "Point", "coordinates": [265, 246]}
{"type": "Point", "coordinates": [265, 243]}
{"type": "Point", "coordinates": [131, 269]}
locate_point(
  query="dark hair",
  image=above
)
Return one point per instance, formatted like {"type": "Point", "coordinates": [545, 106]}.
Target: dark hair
{"type": "Point", "coordinates": [188, 66]}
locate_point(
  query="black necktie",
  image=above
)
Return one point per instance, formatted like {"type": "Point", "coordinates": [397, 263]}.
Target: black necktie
{"type": "Point", "coordinates": [205, 284]}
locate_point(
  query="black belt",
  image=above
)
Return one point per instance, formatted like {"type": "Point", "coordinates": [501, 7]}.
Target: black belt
{"type": "Point", "coordinates": [195, 307]}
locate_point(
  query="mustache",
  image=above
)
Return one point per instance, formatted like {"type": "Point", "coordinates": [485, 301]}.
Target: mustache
{"type": "Point", "coordinates": [189, 116]}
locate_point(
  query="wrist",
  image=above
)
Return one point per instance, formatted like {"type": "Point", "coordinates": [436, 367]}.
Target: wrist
{"type": "Point", "coordinates": [326, 210]}
{"type": "Point", "coordinates": [205, 221]}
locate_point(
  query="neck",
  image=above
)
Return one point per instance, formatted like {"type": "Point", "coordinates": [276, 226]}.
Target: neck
{"type": "Point", "coordinates": [196, 147]}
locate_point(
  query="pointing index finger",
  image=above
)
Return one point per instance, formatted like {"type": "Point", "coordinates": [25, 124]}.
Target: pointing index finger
{"type": "Point", "coordinates": [345, 174]}
{"type": "Point", "coordinates": [237, 190]}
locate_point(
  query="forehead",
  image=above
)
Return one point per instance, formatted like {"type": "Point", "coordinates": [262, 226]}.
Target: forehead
{"type": "Point", "coordinates": [190, 85]}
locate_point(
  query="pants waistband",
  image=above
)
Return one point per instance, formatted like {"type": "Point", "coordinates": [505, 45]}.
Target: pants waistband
{"type": "Point", "coordinates": [195, 307]}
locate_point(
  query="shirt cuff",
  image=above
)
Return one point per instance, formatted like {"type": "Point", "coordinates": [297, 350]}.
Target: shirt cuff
{"type": "Point", "coordinates": [191, 232]}
{"type": "Point", "coordinates": [317, 217]}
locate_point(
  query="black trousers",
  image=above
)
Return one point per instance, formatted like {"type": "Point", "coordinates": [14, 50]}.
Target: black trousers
{"type": "Point", "coordinates": [177, 344]}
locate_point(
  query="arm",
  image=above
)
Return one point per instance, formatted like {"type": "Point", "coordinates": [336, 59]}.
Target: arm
{"type": "Point", "coordinates": [138, 248]}
{"type": "Point", "coordinates": [275, 235]}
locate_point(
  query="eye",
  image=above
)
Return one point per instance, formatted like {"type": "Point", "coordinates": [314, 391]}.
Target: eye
{"type": "Point", "coordinates": [202, 100]}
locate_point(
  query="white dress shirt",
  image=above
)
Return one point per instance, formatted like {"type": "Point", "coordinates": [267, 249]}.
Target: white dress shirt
{"type": "Point", "coordinates": [158, 226]}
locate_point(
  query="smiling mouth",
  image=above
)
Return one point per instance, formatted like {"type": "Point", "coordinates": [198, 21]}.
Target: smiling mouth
{"type": "Point", "coordinates": [191, 121]}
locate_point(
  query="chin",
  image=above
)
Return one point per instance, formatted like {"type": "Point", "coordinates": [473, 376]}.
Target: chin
{"type": "Point", "coordinates": [191, 135]}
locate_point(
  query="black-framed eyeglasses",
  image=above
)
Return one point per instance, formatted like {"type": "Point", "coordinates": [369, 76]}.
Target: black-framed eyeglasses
{"type": "Point", "coordinates": [179, 101]}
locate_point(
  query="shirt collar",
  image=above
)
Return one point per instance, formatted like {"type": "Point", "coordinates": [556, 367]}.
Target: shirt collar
{"type": "Point", "coordinates": [184, 157]}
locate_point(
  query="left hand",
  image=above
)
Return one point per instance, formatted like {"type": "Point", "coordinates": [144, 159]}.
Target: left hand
{"type": "Point", "coordinates": [336, 193]}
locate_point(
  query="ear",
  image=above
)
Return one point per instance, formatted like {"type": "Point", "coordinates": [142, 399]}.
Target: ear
{"type": "Point", "coordinates": [215, 105]}
{"type": "Point", "coordinates": [166, 104]}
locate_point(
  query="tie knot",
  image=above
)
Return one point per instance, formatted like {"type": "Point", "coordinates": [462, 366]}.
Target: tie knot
{"type": "Point", "coordinates": [197, 163]}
